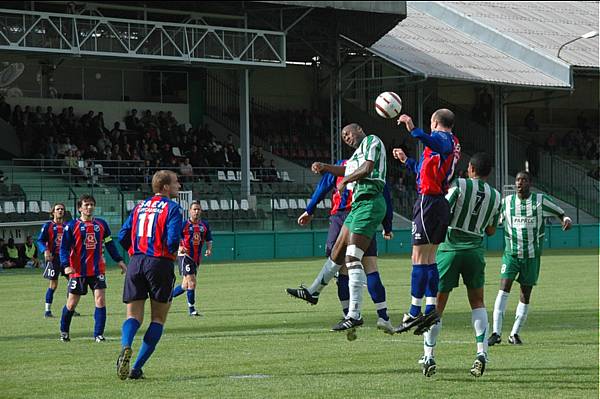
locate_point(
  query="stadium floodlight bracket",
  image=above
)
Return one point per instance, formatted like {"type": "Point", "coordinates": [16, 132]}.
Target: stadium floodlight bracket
{"type": "Point", "coordinates": [587, 35]}
{"type": "Point", "coordinates": [75, 34]}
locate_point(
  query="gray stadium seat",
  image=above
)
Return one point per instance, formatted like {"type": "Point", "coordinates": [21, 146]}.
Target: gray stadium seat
{"type": "Point", "coordinates": [302, 203]}
{"type": "Point", "coordinates": [225, 205]}
{"type": "Point", "coordinates": [293, 203]}
{"type": "Point", "coordinates": [244, 205]}
{"type": "Point", "coordinates": [34, 207]}
{"type": "Point", "coordinates": [9, 207]}
{"type": "Point", "coordinates": [204, 205]}
{"type": "Point", "coordinates": [21, 207]}
{"type": "Point", "coordinates": [221, 175]}
{"type": "Point", "coordinates": [45, 206]}
{"type": "Point", "coordinates": [130, 205]}
{"type": "Point", "coordinates": [214, 205]}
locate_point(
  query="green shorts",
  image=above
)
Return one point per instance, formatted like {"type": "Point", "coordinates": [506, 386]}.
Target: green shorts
{"type": "Point", "coordinates": [366, 215]}
{"type": "Point", "coordinates": [470, 263]}
{"type": "Point", "coordinates": [528, 269]}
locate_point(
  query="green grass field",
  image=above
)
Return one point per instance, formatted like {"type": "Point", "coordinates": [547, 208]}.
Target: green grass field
{"type": "Point", "coordinates": [256, 342]}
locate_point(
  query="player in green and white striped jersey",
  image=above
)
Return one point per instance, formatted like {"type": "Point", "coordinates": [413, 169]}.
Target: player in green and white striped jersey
{"type": "Point", "coordinates": [475, 210]}
{"type": "Point", "coordinates": [524, 228]}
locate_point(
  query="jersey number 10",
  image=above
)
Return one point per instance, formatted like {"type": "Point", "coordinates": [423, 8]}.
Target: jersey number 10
{"type": "Point", "coordinates": [141, 221]}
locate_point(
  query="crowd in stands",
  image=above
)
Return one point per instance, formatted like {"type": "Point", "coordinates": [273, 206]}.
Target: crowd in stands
{"type": "Point", "coordinates": [83, 144]}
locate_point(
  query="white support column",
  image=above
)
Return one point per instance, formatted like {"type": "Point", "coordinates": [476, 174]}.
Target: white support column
{"type": "Point", "coordinates": [245, 132]}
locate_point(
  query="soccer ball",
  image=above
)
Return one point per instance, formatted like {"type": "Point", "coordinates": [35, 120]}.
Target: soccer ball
{"type": "Point", "coordinates": [388, 105]}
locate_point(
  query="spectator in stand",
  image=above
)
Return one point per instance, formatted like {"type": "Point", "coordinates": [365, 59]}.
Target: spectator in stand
{"type": "Point", "coordinates": [148, 120]}
{"type": "Point", "coordinates": [51, 148]}
{"type": "Point", "coordinates": [530, 122]}
{"type": "Point", "coordinates": [171, 119]}
{"type": "Point", "coordinates": [86, 120]}
{"type": "Point", "coordinates": [116, 132]}
{"type": "Point", "coordinates": [486, 105]}
{"type": "Point", "coordinates": [18, 118]}
{"type": "Point", "coordinates": [102, 142]}
{"type": "Point", "coordinates": [49, 115]}
{"type": "Point", "coordinates": [132, 122]}
{"type": "Point", "coordinates": [4, 110]}
{"type": "Point", "coordinates": [186, 171]}
{"type": "Point", "coordinates": [10, 253]}
{"type": "Point", "coordinates": [233, 157]}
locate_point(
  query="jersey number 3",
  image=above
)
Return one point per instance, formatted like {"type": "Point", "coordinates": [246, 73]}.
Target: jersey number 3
{"type": "Point", "coordinates": [142, 221]}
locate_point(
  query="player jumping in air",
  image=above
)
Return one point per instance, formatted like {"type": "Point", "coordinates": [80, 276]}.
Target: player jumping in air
{"type": "Point", "coordinates": [431, 212]}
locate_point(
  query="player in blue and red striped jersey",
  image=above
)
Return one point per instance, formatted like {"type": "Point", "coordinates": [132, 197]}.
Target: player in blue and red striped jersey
{"type": "Point", "coordinates": [81, 256]}
{"type": "Point", "coordinates": [431, 212]}
{"type": "Point", "coordinates": [151, 234]}
{"type": "Point", "coordinates": [341, 205]}
{"type": "Point", "coordinates": [48, 244]}
{"type": "Point", "coordinates": [196, 232]}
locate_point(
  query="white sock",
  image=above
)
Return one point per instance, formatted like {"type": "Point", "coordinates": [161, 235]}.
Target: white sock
{"type": "Point", "coordinates": [324, 277]}
{"type": "Point", "coordinates": [520, 317]}
{"type": "Point", "coordinates": [357, 279]}
{"type": "Point", "coordinates": [499, 308]}
{"type": "Point", "coordinates": [479, 319]}
{"type": "Point", "coordinates": [430, 339]}
{"type": "Point", "coordinates": [48, 306]}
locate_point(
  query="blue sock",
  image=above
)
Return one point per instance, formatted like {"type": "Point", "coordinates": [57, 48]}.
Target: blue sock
{"type": "Point", "coordinates": [130, 327]}
{"type": "Point", "coordinates": [99, 321]}
{"type": "Point", "coordinates": [191, 296]}
{"type": "Point", "coordinates": [65, 320]}
{"type": "Point", "coordinates": [177, 291]}
{"type": "Point", "coordinates": [343, 292]}
{"type": "Point", "coordinates": [433, 279]}
{"type": "Point", "coordinates": [151, 338]}
{"type": "Point", "coordinates": [49, 295]}
{"type": "Point", "coordinates": [377, 292]}
{"type": "Point", "coordinates": [417, 288]}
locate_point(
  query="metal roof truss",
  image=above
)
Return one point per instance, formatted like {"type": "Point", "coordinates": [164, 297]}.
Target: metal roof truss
{"type": "Point", "coordinates": [32, 31]}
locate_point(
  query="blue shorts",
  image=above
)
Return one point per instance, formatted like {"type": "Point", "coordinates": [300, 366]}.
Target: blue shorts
{"type": "Point", "coordinates": [79, 285]}
{"type": "Point", "coordinates": [187, 265]}
{"type": "Point", "coordinates": [431, 216]}
{"type": "Point", "coordinates": [53, 270]}
{"type": "Point", "coordinates": [336, 222]}
{"type": "Point", "coordinates": [148, 276]}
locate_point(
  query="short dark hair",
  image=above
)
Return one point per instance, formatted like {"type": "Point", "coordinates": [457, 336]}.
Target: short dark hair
{"type": "Point", "coordinates": [195, 202]}
{"type": "Point", "coordinates": [524, 172]}
{"type": "Point", "coordinates": [85, 198]}
{"type": "Point", "coordinates": [482, 164]}
{"type": "Point", "coordinates": [445, 117]}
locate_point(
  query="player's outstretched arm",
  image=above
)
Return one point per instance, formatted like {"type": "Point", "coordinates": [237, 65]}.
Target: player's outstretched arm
{"type": "Point", "coordinates": [336, 170]}
{"type": "Point", "coordinates": [566, 222]}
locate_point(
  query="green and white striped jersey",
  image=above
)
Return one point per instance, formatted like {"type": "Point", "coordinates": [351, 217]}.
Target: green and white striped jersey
{"type": "Point", "coordinates": [370, 149]}
{"type": "Point", "coordinates": [524, 225]}
{"type": "Point", "coordinates": [474, 205]}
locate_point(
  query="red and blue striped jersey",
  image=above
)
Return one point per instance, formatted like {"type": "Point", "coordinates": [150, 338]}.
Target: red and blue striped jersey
{"type": "Point", "coordinates": [327, 183]}
{"type": "Point", "coordinates": [81, 247]}
{"type": "Point", "coordinates": [50, 238]}
{"type": "Point", "coordinates": [436, 166]}
{"type": "Point", "coordinates": [194, 237]}
{"type": "Point", "coordinates": [153, 228]}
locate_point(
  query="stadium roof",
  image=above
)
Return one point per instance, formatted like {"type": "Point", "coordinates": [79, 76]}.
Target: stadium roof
{"type": "Point", "coordinates": [506, 43]}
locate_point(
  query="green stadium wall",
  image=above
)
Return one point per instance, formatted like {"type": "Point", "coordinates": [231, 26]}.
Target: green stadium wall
{"type": "Point", "coordinates": [301, 244]}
